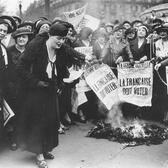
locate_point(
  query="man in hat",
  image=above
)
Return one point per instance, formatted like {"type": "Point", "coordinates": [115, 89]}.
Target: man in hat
{"type": "Point", "coordinates": [41, 69]}
{"type": "Point", "coordinates": [8, 40]}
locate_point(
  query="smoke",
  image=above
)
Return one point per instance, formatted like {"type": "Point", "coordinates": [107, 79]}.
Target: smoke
{"type": "Point", "coordinates": [113, 116]}
{"type": "Point", "coordinates": [120, 115]}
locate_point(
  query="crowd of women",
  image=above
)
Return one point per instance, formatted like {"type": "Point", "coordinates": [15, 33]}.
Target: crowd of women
{"type": "Point", "coordinates": [35, 57]}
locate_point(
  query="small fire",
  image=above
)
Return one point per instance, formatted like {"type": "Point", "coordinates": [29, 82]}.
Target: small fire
{"type": "Point", "coordinates": [115, 118]}
{"type": "Point", "coordinates": [130, 131]}
{"type": "Point", "coordinates": [136, 129]}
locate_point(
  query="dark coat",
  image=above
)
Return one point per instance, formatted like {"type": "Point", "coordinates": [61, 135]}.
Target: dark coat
{"type": "Point", "coordinates": [38, 119]}
{"type": "Point", "coordinates": [13, 54]}
{"type": "Point", "coordinates": [112, 51]}
{"type": "Point", "coordinates": [138, 53]}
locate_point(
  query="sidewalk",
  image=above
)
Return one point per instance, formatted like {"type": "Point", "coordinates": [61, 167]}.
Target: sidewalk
{"type": "Point", "coordinates": [77, 151]}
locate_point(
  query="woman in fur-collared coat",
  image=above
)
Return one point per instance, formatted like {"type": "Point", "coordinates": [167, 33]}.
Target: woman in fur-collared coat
{"type": "Point", "coordinates": [117, 49]}
{"type": "Point", "coordinates": [42, 68]}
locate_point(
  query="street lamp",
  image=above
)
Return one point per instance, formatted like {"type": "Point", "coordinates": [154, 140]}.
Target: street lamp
{"type": "Point", "coordinates": [47, 8]}
{"type": "Point", "coordinates": [20, 8]}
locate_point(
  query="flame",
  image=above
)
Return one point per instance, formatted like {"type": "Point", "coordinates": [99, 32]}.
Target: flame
{"type": "Point", "coordinates": [115, 118]}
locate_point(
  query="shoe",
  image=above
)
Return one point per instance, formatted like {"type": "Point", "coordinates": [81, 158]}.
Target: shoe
{"type": "Point", "coordinates": [41, 163]}
{"type": "Point", "coordinates": [61, 131]}
{"type": "Point", "coordinates": [13, 146]}
{"type": "Point", "coordinates": [48, 156]}
{"type": "Point", "coordinates": [64, 127]}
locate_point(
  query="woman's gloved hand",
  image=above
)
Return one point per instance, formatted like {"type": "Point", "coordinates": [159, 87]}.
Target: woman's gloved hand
{"type": "Point", "coordinates": [42, 84]}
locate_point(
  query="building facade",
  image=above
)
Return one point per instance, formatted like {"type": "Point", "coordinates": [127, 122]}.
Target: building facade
{"type": "Point", "coordinates": [106, 10]}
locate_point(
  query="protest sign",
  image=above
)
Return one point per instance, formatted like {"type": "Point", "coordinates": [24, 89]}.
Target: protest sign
{"type": "Point", "coordinates": [103, 82]}
{"type": "Point", "coordinates": [7, 112]}
{"type": "Point", "coordinates": [75, 17]}
{"type": "Point", "coordinates": [135, 83]}
{"type": "Point", "coordinates": [79, 19]}
{"type": "Point", "coordinates": [91, 22]}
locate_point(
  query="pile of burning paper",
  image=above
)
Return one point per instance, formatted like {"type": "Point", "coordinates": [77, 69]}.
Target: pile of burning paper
{"type": "Point", "coordinates": [132, 134]}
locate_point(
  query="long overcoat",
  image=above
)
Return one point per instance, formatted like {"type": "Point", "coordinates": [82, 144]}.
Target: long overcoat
{"type": "Point", "coordinates": [38, 118]}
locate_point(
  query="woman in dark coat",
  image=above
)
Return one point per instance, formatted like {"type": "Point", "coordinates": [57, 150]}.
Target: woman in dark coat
{"type": "Point", "coordinates": [21, 36]}
{"type": "Point", "coordinates": [42, 68]}
{"type": "Point", "coordinates": [139, 47]}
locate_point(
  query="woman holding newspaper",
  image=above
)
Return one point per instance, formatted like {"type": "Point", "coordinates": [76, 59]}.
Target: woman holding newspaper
{"type": "Point", "coordinates": [42, 68]}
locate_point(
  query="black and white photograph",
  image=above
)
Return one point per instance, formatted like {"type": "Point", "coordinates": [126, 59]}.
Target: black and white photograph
{"type": "Point", "coordinates": [84, 83]}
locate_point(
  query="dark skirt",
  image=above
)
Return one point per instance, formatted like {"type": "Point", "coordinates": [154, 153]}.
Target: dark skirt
{"type": "Point", "coordinates": [38, 121]}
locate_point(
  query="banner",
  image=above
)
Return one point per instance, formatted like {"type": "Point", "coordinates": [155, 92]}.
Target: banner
{"type": "Point", "coordinates": [7, 112]}
{"type": "Point", "coordinates": [91, 22]}
{"type": "Point", "coordinates": [135, 83]}
{"type": "Point", "coordinates": [103, 82]}
{"type": "Point", "coordinates": [76, 16]}
{"type": "Point", "coordinates": [79, 19]}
